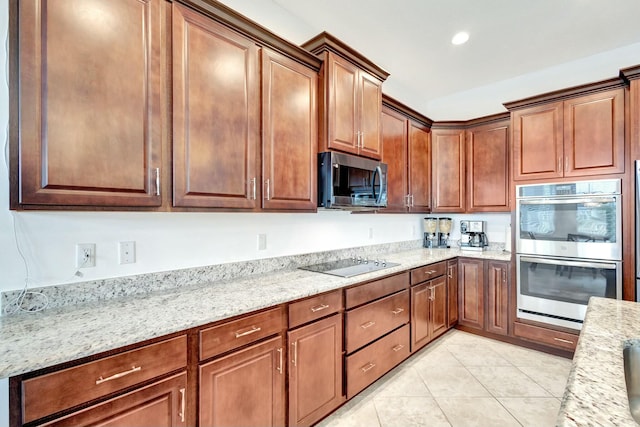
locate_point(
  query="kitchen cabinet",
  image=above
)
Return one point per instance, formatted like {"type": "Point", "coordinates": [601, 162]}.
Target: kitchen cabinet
{"type": "Point", "coordinates": [582, 135]}
{"type": "Point", "coordinates": [316, 358]}
{"type": "Point", "coordinates": [351, 100]}
{"type": "Point", "coordinates": [452, 293]}
{"type": "Point", "coordinates": [498, 291]}
{"type": "Point", "coordinates": [487, 166]}
{"type": "Point", "coordinates": [406, 149]}
{"type": "Point", "coordinates": [74, 141]}
{"type": "Point", "coordinates": [550, 337]}
{"type": "Point", "coordinates": [428, 304]}
{"type": "Point", "coordinates": [448, 170]}
{"type": "Point", "coordinates": [471, 293]}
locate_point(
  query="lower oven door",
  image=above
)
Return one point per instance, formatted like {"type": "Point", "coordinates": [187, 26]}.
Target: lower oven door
{"type": "Point", "coordinates": [557, 290]}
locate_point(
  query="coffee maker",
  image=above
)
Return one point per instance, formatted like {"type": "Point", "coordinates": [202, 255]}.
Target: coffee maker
{"type": "Point", "coordinates": [473, 236]}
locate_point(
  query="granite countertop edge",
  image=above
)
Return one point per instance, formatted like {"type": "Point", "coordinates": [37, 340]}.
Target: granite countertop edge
{"type": "Point", "coordinates": [34, 341]}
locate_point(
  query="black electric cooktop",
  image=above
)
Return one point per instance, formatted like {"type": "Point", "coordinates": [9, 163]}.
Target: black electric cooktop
{"type": "Point", "coordinates": [349, 267]}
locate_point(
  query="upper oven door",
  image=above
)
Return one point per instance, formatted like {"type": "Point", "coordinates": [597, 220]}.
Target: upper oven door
{"type": "Point", "coordinates": [580, 227]}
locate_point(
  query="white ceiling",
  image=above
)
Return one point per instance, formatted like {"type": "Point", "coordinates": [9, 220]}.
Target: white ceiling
{"type": "Point", "coordinates": [517, 47]}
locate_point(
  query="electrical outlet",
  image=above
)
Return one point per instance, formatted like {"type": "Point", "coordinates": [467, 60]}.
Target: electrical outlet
{"type": "Point", "coordinates": [127, 252]}
{"type": "Point", "coordinates": [262, 242]}
{"type": "Point", "coordinates": [85, 255]}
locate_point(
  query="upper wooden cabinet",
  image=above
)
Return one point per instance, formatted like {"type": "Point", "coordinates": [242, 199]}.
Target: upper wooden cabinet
{"type": "Point", "coordinates": [406, 149]}
{"type": "Point", "coordinates": [488, 160]}
{"type": "Point", "coordinates": [223, 158]}
{"type": "Point", "coordinates": [448, 176]}
{"type": "Point", "coordinates": [568, 133]}
{"type": "Point", "coordinates": [87, 119]}
{"type": "Point", "coordinates": [351, 101]}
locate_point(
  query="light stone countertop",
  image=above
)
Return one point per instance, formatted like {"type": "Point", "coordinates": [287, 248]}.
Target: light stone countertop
{"type": "Point", "coordinates": [32, 341]}
{"type": "Point", "coordinates": [596, 393]}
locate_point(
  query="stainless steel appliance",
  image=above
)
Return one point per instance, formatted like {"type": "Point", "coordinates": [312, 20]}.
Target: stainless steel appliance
{"type": "Point", "coordinates": [350, 182]}
{"type": "Point", "coordinates": [569, 248]}
{"type": "Point", "coordinates": [473, 236]}
{"type": "Point", "coordinates": [349, 267]}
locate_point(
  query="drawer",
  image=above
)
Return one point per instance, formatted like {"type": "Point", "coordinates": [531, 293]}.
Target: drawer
{"type": "Point", "coordinates": [311, 309]}
{"type": "Point", "coordinates": [546, 336]}
{"type": "Point", "coordinates": [373, 361]}
{"type": "Point", "coordinates": [368, 292]}
{"type": "Point", "coordinates": [428, 272]}
{"type": "Point", "coordinates": [51, 393]}
{"type": "Point", "coordinates": [369, 322]}
{"type": "Point", "coordinates": [219, 339]}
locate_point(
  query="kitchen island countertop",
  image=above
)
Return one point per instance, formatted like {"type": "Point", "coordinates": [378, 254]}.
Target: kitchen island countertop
{"type": "Point", "coordinates": [32, 341]}
{"type": "Point", "coordinates": [596, 393]}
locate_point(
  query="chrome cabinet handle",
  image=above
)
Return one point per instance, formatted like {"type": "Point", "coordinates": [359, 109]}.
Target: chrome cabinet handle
{"type": "Point", "coordinates": [398, 347]}
{"type": "Point", "coordinates": [319, 308]}
{"type": "Point", "coordinates": [157, 181]}
{"type": "Point", "coordinates": [367, 325]}
{"type": "Point", "coordinates": [407, 198]}
{"type": "Point", "coordinates": [294, 359]}
{"type": "Point", "coordinates": [430, 272]}
{"type": "Point", "coordinates": [504, 276]}
{"type": "Point", "coordinates": [368, 367]}
{"type": "Point", "coordinates": [563, 340]}
{"type": "Point", "coordinates": [118, 375]}
{"type": "Point", "coordinates": [268, 189]}
{"type": "Point", "coordinates": [253, 330]}
{"type": "Point", "coordinates": [450, 275]}
{"type": "Point", "coordinates": [253, 184]}
{"type": "Point", "coordinates": [412, 204]}
{"type": "Point", "coordinates": [397, 310]}
{"type": "Point", "coordinates": [432, 297]}
{"type": "Point", "coordinates": [183, 404]}
{"type": "Point", "coordinates": [279, 368]}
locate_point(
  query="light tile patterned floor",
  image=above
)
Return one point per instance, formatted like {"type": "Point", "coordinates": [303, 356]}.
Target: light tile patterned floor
{"type": "Point", "coordinates": [462, 380]}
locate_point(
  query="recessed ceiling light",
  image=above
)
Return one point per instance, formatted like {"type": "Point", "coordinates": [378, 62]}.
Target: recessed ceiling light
{"type": "Point", "coordinates": [460, 38]}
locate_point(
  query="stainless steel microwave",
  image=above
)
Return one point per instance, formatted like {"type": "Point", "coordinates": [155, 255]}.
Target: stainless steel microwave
{"type": "Point", "coordinates": [350, 182]}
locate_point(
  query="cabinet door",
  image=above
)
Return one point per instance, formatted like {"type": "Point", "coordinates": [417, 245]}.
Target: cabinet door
{"type": "Point", "coordinates": [159, 404]}
{"type": "Point", "coordinates": [419, 162]}
{"type": "Point", "coordinates": [537, 142]}
{"type": "Point", "coordinates": [216, 113]}
{"type": "Point", "coordinates": [498, 297]}
{"type": "Point", "coordinates": [394, 154]}
{"type": "Point", "coordinates": [471, 293]}
{"type": "Point", "coordinates": [290, 133]}
{"type": "Point", "coordinates": [448, 170]}
{"type": "Point", "coordinates": [79, 143]}
{"type": "Point", "coordinates": [315, 370]}
{"type": "Point", "coordinates": [452, 296]}
{"type": "Point", "coordinates": [488, 159]}
{"type": "Point", "coordinates": [342, 112]}
{"type": "Point", "coordinates": [420, 309]}
{"type": "Point", "coordinates": [438, 319]}
{"type": "Point", "coordinates": [594, 134]}
{"type": "Point", "coordinates": [244, 388]}
{"type": "Point", "coordinates": [369, 108]}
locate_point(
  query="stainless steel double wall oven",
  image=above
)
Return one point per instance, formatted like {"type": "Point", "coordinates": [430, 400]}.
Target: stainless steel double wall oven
{"type": "Point", "coordinates": [568, 248]}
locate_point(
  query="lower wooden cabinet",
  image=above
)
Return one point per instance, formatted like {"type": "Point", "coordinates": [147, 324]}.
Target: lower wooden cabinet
{"type": "Point", "coordinates": [244, 388]}
{"type": "Point", "coordinates": [315, 370]}
{"type": "Point", "coordinates": [162, 403]}
{"type": "Point", "coordinates": [428, 311]}
{"type": "Point", "coordinates": [554, 338]}
{"type": "Point", "coordinates": [452, 293]}
{"type": "Point", "coordinates": [498, 297]}
{"type": "Point", "coordinates": [471, 292]}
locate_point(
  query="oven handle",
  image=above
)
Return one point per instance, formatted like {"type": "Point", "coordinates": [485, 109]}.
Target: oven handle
{"type": "Point", "coordinates": [568, 201]}
{"type": "Point", "coordinates": [555, 261]}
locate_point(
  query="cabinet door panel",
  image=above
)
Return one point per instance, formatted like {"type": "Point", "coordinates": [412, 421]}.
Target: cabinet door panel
{"type": "Point", "coordinates": [438, 320]}
{"type": "Point", "coordinates": [315, 373]}
{"type": "Point", "coordinates": [216, 106]}
{"type": "Point", "coordinates": [594, 134]}
{"type": "Point", "coordinates": [370, 109]}
{"type": "Point", "coordinates": [419, 162]}
{"type": "Point", "coordinates": [498, 297]}
{"type": "Point", "coordinates": [537, 142]}
{"type": "Point", "coordinates": [420, 308]}
{"type": "Point", "coordinates": [343, 106]}
{"type": "Point", "coordinates": [488, 159]}
{"type": "Point", "coordinates": [394, 154]}
{"type": "Point", "coordinates": [452, 296]}
{"type": "Point", "coordinates": [471, 293]}
{"type": "Point", "coordinates": [448, 170]}
{"type": "Point", "coordinates": [244, 388]}
{"type": "Point", "coordinates": [290, 133]}
{"type": "Point", "coordinates": [80, 144]}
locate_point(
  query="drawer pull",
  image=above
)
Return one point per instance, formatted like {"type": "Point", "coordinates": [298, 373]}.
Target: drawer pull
{"type": "Point", "coordinates": [249, 332]}
{"type": "Point", "coordinates": [319, 307]}
{"type": "Point", "coordinates": [398, 347]}
{"type": "Point", "coordinates": [119, 375]}
{"type": "Point", "coordinates": [183, 403]}
{"type": "Point", "coordinates": [367, 325]}
{"type": "Point", "coordinates": [368, 367]}
{"type": "Point", "coordinates": [397, 310]}
{"type": "Point", "coordinates": [563, 340]}
{"type": "Point", "coordinates": [430, 272]}
{"type": "Point", "coordinates": [294, 359]}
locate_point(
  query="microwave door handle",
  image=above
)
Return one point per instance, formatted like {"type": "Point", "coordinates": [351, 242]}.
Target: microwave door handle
{"type": "Point", "coordinates": [568, 201]}
{"type": "Point", "coordinates": [555, 261]}
{"type": "Point", "coordinates": [378, 172]}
